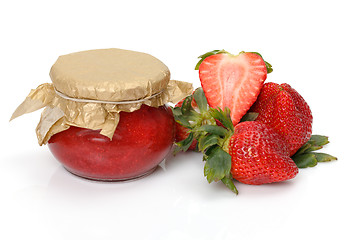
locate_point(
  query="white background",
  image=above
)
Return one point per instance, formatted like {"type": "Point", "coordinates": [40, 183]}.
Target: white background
{"type": "Point", "coordinates": [305, 41]}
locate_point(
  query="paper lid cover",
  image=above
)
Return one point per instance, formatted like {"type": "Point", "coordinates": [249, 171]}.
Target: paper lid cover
{"type": "Point", "coordinates": [109, 74]}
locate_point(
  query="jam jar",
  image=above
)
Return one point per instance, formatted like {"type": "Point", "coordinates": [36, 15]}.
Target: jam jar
{"type": "Point", "coordinates": [141, 141]}
{"type": "Point", "coordinates": [105, 113]}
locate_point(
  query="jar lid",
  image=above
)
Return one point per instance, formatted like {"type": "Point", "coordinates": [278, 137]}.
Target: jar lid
{"type": "Point", "coordinates": [109, 75]}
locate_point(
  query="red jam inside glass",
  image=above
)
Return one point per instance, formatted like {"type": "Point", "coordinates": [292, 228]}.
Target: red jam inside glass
{"type": "Point", "coordinates": [141, 141]}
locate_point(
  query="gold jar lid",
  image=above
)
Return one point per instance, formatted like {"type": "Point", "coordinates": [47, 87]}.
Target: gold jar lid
{"type": "Point", "coordinates": [109, 75]}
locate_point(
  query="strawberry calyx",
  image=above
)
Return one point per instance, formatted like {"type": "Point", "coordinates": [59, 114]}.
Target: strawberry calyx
{"type": "Point", "coordinates": [306, 155]}
{"type": "Point", "coordinates": [214, 52]}
{"type": "Point", "coordinates": [210, 135]}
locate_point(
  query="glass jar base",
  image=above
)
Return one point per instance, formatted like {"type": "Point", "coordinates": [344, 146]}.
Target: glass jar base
{"type": "Point", "coordinates": [113, 179]}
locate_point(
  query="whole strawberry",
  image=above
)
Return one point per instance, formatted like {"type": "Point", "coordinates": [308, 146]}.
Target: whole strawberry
{"type": "Point", "coordinates": [285, 110]}
{"type": "Point", "coordinates": [252, 152]}
{"type": "Point", "coordinates": [259, 155]}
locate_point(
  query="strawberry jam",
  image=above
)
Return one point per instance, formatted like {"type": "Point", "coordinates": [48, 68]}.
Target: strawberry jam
{"type": "Point", "coordinates": [141, 141]}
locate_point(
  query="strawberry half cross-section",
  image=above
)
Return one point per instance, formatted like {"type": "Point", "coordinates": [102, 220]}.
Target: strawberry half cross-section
{"type": "Point", "coordinates": [233, 81]}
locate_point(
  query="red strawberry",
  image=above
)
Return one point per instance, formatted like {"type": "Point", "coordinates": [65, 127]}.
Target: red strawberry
{"type": "Point", "coordinates": [181, 132]}
{"type": "Point", "coordinates": [259, 155]}
{"type": "Point", "coordinates": [252, 152]}
{"type": "Point", "coordinates": [232, 81]}
{"type": "Point", "coordinates": [285, 110]}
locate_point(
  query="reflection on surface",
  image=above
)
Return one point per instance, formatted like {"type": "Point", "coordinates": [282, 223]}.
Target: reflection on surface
{"type": "Point", "coordinates": [64, 183]}
{"type": "Point", "coordinates": [174, 202]}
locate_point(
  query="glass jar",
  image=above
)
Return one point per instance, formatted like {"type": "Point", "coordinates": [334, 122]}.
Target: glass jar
{"type": "Point", "coordinates": [141, 141]}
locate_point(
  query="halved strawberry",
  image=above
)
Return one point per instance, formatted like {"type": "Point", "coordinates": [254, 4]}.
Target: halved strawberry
{"type": "Point", "coordinates": [233, 81]}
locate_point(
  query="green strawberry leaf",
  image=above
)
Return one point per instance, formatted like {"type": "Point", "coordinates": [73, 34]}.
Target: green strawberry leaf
{"type": "Point", "coordinates": [223, 117]}
{"type": "Point", "coordinates": [184, 114]}
{"type": "Point", "coordinates": [312, 148]}
{"type": "Point", "coordinates": [184, 144]}
{"type": "Point", "coordinates": [207, 141]}
{"type": "Point", "coordinates": [201, 100]}
{"type": "Point", "coordinates": [318, 140]}
{"type": "Point", "coordinates": [213, 129]}
{"type": "Point", "coordinates": [182, 120]}
{"type": "Point", "coordinates": [305, 160]}
{"type": "Point", "coordinates": [207, 54]}
{"type": "Point", "coordinates": [306, 157]}
{"type": "Point", "coordinates": [204, 56]}
{"type": "Point", "coordinates": [249, 116]}
{"type": "Point", "coordinates": [186, 105]}
{"type": "Point", "coordinates": [192, 115]}
{"type": "Point", "coordinates": [303, 149]}
{"type": "Point", "coordinates": [176, 111]}
{"type": "Point", "coordinates": [218, 165]}
{"type": "Point", "coordinates": [324, 157]}
{"type": "Point", "coordinates": [228, 181]}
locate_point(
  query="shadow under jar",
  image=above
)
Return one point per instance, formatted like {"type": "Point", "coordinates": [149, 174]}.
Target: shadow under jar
{"type": "Point", "coordinates": [141, 141]}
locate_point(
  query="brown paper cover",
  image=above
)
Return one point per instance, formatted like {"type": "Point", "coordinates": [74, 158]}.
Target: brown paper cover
{"type": "Point", "coordinates": [60, 113]}
{"type": "Point", "coordinates": [109, 74]}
